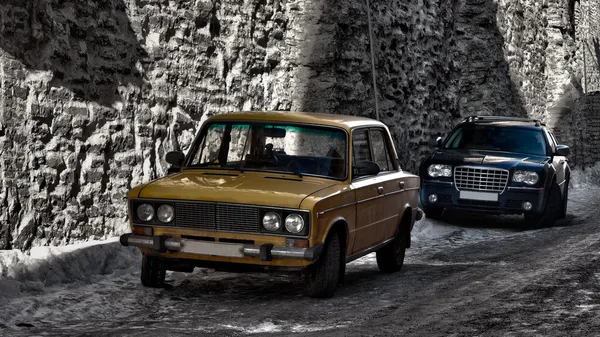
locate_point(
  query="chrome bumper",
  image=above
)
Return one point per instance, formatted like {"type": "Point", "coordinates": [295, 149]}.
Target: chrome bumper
{"type": "Point", "coordinates": [265, 252]}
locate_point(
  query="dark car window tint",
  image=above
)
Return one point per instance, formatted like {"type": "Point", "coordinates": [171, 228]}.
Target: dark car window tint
{"type": "Point", "coordinates": [360, 145]}
{"type": "Point", "coordinates": [498, 138]}
{"type": "Point", "coordinates": [380, 153]}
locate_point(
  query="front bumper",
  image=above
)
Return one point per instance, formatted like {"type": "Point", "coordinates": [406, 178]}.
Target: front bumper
{"type": "Point", "coordinates": [266, 252]}
{"type": "Point", "coordinates": [509, 202]}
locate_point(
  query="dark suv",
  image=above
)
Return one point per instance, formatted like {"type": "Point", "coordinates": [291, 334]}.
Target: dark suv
{"type": "Point", "coordinates": [498, 165]}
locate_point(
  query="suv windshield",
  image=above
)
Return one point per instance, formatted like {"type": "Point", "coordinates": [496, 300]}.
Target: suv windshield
{"type": "Point", "coordinates": [498, 138]}
{"type": "Point", "coordinates": [295, 149]}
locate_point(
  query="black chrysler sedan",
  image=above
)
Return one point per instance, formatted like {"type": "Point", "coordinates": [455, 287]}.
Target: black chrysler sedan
{"type": "Point", "coordinates": [500, 165]}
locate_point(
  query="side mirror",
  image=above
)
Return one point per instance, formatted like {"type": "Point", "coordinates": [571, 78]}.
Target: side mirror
{"type": "Point", "coordinates": [175, 158]}
{"type": "Point", "coordinates": [562, 150]}
{"type": "Point", "coordinates": [438, 142]}
{"type": "Point", "coordinates": [366, 168]}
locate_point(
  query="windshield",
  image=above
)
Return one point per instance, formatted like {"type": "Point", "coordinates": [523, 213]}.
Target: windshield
{"type": "Point", "coordinates": [498, 138]}
{"type": "Point", "coordinates": [295, 149]}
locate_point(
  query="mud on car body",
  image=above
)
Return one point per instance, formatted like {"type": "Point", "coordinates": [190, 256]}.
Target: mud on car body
{"type": "Point", "coordinates": [277, 191]}
{"type": "Point", "coordinates": [498, 165]}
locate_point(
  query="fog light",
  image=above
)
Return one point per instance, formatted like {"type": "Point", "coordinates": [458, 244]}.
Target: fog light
{"type": "Point", "coordinates": [433, 198]}
{"type": "Point", "coordinates": [527, 206]}
{"type": "Point", "coordinates": [142, 231]}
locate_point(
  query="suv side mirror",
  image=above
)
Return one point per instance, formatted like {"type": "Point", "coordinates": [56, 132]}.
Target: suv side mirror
{"type": "Point", "coordinates": [562, 150]}
{"type": "Point", "coordinates": [175, 158]}
{"type": "Point", "coordinates": [366, 168]}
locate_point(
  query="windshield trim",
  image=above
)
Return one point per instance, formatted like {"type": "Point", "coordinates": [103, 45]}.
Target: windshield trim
{"type": "Point", "coordinates": [204, 129]}
{"type": "Point", "coordinates": [460, 127]}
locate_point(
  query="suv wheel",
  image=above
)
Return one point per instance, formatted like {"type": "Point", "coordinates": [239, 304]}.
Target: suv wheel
{"type": "Point", "coordinates": [153, 272]}
{"type": "Point", "coordinates": [551, 212]}
{"type": "Point", "coordinates": [391, 257]}
{"type": "Point", "coordinates": [322, 277]}
{"type": "Point", "coordinates": [433, 212]}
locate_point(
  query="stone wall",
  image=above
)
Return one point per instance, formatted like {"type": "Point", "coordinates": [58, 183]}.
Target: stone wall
{"type": "Point", "coordinates": [94, 93]}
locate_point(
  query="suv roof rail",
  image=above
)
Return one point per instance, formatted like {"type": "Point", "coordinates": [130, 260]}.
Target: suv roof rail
{"type": "Point", "coordinates": [471, 119]}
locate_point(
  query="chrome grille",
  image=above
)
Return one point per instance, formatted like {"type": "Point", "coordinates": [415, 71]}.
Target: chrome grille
{"type": "Point", "coordinates": [480, 179]}
{"type": "Point", "coordinates": [235, 218]}
{"type": "Point", "coordinates": [195, 215]}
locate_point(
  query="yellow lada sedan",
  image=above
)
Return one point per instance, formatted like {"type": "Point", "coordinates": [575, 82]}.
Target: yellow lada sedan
{"type": "Point", "coordinates": [277, 191]}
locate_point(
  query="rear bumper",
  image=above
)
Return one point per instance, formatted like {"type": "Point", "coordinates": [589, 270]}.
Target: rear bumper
{"type": "Point", "coordinates": [265, 252]}
{"type": "Point", "coordinates": [509, 202]}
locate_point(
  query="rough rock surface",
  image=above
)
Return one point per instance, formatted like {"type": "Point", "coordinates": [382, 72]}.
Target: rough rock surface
{"type": "Point", "coordinates": [94, 93]}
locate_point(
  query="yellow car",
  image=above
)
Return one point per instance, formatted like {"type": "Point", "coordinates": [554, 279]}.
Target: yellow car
{"type": "Point", "coordinates": [262, 191]}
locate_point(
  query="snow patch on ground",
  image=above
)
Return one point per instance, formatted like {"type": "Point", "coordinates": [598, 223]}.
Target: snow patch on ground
{"type": "Point", "coordinates": [589, 176]}
{"type": "Point", "coordinates": [47, 266]}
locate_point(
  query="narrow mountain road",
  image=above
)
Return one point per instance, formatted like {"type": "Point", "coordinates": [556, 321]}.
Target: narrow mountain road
{"type": "Point", "coordinates": [466, 275]}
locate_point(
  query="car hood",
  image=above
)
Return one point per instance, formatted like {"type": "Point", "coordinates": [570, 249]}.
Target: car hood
{"type": "Point", "coordinates": [504, 160]}
{"type": "Point", "coordinates": [255, 188]}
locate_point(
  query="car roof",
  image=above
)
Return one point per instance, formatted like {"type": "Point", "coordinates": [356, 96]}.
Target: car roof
{"type": "Point", "coordinates": [343, 121]}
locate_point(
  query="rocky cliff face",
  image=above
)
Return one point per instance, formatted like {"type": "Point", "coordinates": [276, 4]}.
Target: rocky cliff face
{"type": "Point", "coordinates": [94, 93]}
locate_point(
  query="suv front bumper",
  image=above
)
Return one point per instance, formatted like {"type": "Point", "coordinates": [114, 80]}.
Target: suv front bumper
{"type": "Point", "coordinates": [266, 252]}
{"type": "Point", "coordinates": [509, 202]}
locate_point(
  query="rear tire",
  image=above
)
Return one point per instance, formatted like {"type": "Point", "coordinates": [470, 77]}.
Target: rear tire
{"type": "Point", "coordinates": [551, 212]}
{"type": "Point", "coordinates": [433, 212]}
{"type": "Point", "coordinates": [153, 272]}
{"type": "Point", "coordinates": [390, 258]}
{"type": "Point", "coordinates": [323, 277]}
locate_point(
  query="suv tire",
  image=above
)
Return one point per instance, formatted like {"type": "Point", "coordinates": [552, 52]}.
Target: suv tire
{"type": "Point", "coordinates": [390, 258]}
{"type": "Point", "coordinates": [563, 211]}
{"type": "Point", "coordinates": [433, 212]}
{"type": "Point", "coordinates": [551, 212]}
{"type": "Point", "coordinates": [323, 277]}
{"type": "Point", "coordinates": [153, 272]}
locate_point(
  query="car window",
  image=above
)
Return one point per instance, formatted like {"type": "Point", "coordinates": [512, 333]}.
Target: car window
{"type": "Point", "coordinates": [380, 151]}
{"type": "Point", "coordinates": [361, 151]}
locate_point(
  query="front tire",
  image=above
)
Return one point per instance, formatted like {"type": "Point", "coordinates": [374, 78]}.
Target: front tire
{"type": "Point", "coordinates": [323, 277]}
{"type": "Point", "coordinates": [563, 212]}
{"type": "Point", "coordinates": [433, 212]}
{"type": "Point", "coordinates": [551, 212]}
{"type": "Point", "coordinates": [153, 272]}
{"type": "Point", "coordinates": [390, 258]}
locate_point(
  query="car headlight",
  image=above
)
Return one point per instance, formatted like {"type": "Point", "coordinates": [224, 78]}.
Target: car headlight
{"type": "Point", "coordinates": [438, 170]}
{"type": "Point", "coordinates": [145, 212]}
{"type": "Point", "coordinates": [294, 223]}
{"type": "Point", "coordinates": [271, 221]}
{"type": "Point", "coordinates": [165, 213]}
{"type": "Point", "coordinates": [527, 177]}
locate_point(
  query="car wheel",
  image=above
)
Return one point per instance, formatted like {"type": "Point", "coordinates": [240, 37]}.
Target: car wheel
{"type": "Point", "coordinates": [433, 212]}
{"type": "Point", "coordinates": [551, 212]}
{"type": "Point", "coordinates": [322, 277]}
{"type": "Point", "coordinates": [153, 272]}
{"type": "Point", "coordinates": [391, 257]}
{"type": "Point", "coordinates": [563, 212]}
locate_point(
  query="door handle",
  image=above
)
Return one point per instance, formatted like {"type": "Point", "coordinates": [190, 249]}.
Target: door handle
{"type": "Point", "coordinates": [401, 184]}
{"type": "Point", "coordinates": [380, 189]}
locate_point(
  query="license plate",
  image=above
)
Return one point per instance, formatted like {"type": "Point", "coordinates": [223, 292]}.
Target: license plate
{"type": "Point", "coordinates": [483, 196]}
{"type": "Point", "coordinates": [211, 248]}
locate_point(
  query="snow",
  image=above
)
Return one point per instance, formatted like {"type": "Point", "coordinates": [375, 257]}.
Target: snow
{"type": "Point", "coordinates": [587, 177]}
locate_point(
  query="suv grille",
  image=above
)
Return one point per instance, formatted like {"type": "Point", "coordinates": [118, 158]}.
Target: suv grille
{"type": "Point", "coordinates": [480, 179]}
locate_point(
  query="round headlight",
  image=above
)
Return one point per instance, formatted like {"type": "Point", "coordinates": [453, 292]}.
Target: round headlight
{"type": "Point", "coordinates": [294, 223]}
{"type": "Point", "coordinates": [165, 213]}
{"type": "Point", "coordinates": [439, 170]}
{"type": "Point", "coordinates": [145, 212]}
{"type": "Point", "coordinates": [527, 177]}
{"type": "Point", "coordinates": [271, 221]}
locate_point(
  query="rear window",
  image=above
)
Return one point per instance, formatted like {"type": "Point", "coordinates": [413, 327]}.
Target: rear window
{"type": "Point", "coordinates": [498, 138]}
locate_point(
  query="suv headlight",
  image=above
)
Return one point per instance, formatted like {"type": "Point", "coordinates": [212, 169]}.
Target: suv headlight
{"type": "Point", "coordinates": [145, 212]}
{"type": "Point", "coordinates": [438, 170]}
{"type": "Point", "coordinates": [527, 177]}
{"type": "Point", "coordinates": [271, 221]}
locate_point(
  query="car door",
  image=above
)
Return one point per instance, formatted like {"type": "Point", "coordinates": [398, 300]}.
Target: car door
{"type": "Point", "coordinates": [391, 179]}
{"type": "Point", "coordinates": [559, 162]}
{"type": "Point", "coordinates": [370, 205]}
